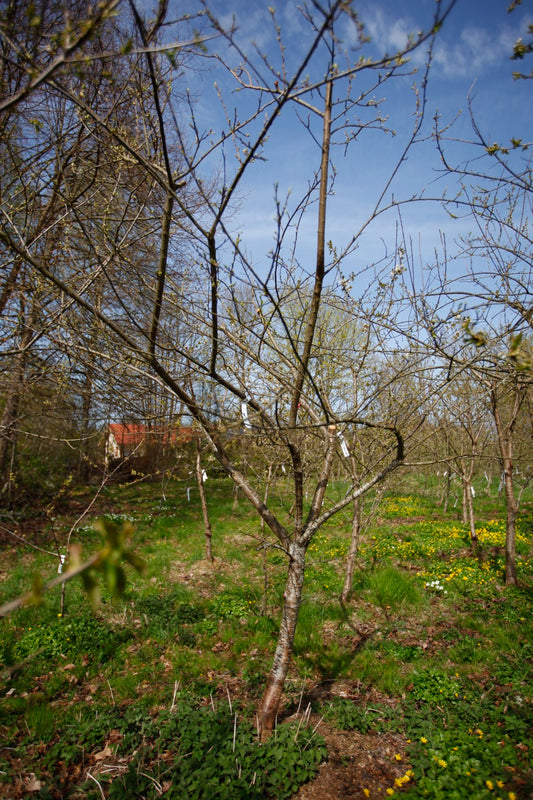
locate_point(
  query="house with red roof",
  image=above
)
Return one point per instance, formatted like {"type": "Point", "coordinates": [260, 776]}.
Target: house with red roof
{"type": "Point", "coordinates": [134, 440]}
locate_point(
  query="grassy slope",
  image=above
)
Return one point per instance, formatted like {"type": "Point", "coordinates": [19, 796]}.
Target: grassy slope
{"type": "Point", "coordinates": [436, 649]}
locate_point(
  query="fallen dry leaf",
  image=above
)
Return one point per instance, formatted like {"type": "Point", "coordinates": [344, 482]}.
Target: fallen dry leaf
{"type": "Point", "coordinates": [103, 754]}
{"type": "Point", "coordinates": [32, 784]}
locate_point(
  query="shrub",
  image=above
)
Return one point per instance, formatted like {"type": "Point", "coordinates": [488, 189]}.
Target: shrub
{"type": "Point", "coordinates": [215, 756]}
{"type": "Point", "coordinates": [84, 634]}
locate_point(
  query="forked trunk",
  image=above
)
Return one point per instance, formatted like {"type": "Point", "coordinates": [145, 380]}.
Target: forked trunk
{"type": "Point", "coordinates": [268, 709]}
{"type": "Point", "coordinates": [266, 715]}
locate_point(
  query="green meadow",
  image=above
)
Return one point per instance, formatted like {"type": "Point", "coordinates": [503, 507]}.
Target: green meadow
{"type": "Point", "coordinates": [153, 694]}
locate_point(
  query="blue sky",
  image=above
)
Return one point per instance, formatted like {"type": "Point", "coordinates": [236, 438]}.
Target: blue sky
{"type": "Point", "coordinates": [471, 60]}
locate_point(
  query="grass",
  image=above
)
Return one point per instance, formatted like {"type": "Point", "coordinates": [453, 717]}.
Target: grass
{"type": "Point", "coordinates": [161, 685]}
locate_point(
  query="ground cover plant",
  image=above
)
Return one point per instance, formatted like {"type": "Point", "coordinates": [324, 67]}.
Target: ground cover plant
{"type": "Point", "coordinates": [421, 686]}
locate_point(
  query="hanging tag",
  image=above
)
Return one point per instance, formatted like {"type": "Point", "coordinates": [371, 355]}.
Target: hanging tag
{"type": "Point", "coordinates": [344, 446]}
{"type": "Point", "coordinates": [244, 412]}
{"type": "Point", "coordinates": [204, 476]}
{"type": "Point", "coordinates": [62, 559]}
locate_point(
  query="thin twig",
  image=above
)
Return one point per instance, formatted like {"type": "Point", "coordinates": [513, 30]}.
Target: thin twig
{"type": "Point", "coordinates": [97, 783]}
{"type": "Point", "coordinates": [29, 597]}
{"type": "Point", "coordinates": [176, 687]}
{"type": "Point", "coordinates": [158, 787]}
{"type": "Point", "coordinates": [229, 699]}
{"type": "Point", "coordinates": [301, 698]}
{"type": "Point", "coordinates": [111, 693]}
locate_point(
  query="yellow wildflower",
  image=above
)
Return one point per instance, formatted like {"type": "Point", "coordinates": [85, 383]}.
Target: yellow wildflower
{"type": "Point", "coordinates": [489, 785]}
{"type": "Point", "coordinates": [399, 782]}
{"type": "Point", "coordinates": [366, 792]}
{"type": "Point", "coordinates": [423, 740]}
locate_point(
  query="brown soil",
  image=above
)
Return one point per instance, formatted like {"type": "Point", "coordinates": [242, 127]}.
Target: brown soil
{"type": "Point", "coordinates": [356, 762]}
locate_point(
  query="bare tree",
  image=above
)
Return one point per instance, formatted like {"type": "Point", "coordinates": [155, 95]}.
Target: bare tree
{"type": "Point", "coordinates": [466, 419]}
{"type": "Point", "coordinates": [508, 394]}
{"type": "Point", "coordinates": [168, 156]}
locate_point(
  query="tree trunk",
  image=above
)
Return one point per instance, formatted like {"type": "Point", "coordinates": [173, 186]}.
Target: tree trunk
{"type": "Point", "coordinates": [505, 443]}
{"type": "Point", "coordinates": [9, 417]}
{"type": "Point", "coordinates": [264, 602]}
{"type": "Point", "coordinates": [445, 497]}
{"type": "Point", "coordinates": [464, 511]}
{"type": "Point", "coordinates": [8, 433]}
{"type": "Point", "coordinates": [468, 507]}
{"type": "Point", "coordinates": [510, 524]}
{"type": "Point", "coordinates": [84, 451]}
{"type": "Point", "coordinates": [203, 502]}
{"type": "Point", "coordinates": [266, 715]}
{"type": "Point", "coordinates": [268, 709]}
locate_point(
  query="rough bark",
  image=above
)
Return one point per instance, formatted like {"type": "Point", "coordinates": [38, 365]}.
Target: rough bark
{"type": "Point", "coordinates": [266, 715]}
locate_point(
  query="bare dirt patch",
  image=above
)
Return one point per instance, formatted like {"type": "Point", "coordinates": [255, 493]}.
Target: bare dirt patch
{"type": "Point", "coordinates": [355, 762]}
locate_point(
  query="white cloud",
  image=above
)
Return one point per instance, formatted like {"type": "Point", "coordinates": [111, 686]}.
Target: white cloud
{"type": "Point", "coordinates": [253, 26]}
{"type": "Point", "coordinates": [386, 33]}
{"type": "Point", "coordinates": [460, 51]}
{"type": "Point", "coordinates": [474, 52]}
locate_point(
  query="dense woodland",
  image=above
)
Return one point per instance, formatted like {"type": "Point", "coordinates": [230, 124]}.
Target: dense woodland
{"type": "Point", "coordinates": [129, 295]}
